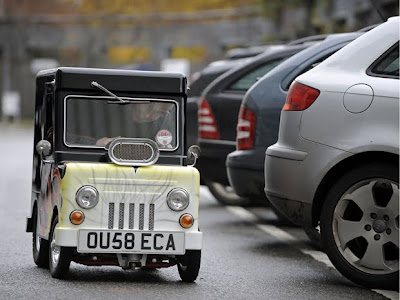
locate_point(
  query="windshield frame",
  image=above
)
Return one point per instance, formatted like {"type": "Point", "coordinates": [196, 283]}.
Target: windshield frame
{"type": "Point", "coordinates": [130, 99]}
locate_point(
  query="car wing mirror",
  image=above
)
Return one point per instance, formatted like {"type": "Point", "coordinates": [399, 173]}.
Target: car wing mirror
{"type": "Point", "coordinates": [43, 148]}
{"type": "Point", "coordinates": [193, 154]}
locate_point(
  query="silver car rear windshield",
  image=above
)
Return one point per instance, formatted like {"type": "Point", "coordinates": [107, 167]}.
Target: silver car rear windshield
{"type": "Point", "coordinates": [95, 122]}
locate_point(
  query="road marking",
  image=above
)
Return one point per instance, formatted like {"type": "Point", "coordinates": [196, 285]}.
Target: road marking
{"type": "Point", "coordinates": [289, 239]}
{"type": "Point", "coordinates": [320, 256]}
{"type": "Point", "coordinates": [242, 213]}
{"type": "Point", "coordinates": [393, 295]}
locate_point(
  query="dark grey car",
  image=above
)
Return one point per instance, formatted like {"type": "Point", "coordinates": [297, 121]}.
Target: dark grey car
{"type": "Point", "coordinates": [260, 114]}
{"type": "Point", "coordinates": [196, 88]}
{"type": "Point", "coordinates": [218, 115]}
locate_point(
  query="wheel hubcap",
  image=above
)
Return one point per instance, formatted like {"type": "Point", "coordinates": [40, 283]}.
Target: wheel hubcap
{"type": "Point", "coordinates": [55, 251]}
{"type": "Point", "coordinates": [37, 237]}
{"type": "Point", "coordinates": [379, 226]}
{"type": "Point", "coordinates": [366, 226]}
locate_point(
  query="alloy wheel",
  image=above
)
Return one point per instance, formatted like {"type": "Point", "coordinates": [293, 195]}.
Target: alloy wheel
{"type": "Point", "coordinates": [366, 226]}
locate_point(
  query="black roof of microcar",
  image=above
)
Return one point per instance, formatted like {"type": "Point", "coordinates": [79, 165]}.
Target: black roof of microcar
{"type": "Point", "coordinates": [118, 80]}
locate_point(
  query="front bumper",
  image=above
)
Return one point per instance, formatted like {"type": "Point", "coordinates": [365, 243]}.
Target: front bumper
{"type": "Point", "coordinates": [67, 237]}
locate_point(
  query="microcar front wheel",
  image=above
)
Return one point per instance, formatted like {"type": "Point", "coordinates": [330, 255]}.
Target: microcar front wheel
{"type": "Point", "coordinates": [189, 265]}
{"type": "Point", "coordinates": [40, 247]}
{"type": "Point", "coordinates": [59, 257]}
{"type": "Point", "coordinates": [360, 225]}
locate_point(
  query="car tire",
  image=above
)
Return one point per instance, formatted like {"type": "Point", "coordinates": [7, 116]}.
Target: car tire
{"type": "Point", "coordinates": [59, 257]}
{"type": "Point", "coordinates": [40, 246]}
{"type": "Point", "coordinates": [189, 265]}
{"type": "Point", "coordinates": [360, 225]}
{"type": "Point", "coordinates": [226, 195]}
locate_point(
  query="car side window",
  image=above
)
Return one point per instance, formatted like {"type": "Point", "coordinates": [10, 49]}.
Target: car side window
{"type": "Point", "coordinates": [387, 65]}
{"type": "Point", "coordinates": [246, 81]}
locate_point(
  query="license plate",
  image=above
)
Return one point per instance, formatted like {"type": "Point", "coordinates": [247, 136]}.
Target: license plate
{"type": "Point", "coordinates": [124, 241]}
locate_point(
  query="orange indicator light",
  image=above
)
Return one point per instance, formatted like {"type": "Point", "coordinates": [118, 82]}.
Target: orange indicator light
{"type": "Point", "coordinates": [77, 217]}
{"type": "Point", "coordinates": [186, 220]}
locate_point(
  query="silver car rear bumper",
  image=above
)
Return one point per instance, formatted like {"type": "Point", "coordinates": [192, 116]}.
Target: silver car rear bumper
{"type": "Point", "coordinates": [292, 177]}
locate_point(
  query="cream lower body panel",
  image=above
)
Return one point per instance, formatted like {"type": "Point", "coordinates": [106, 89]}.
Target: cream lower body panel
{"type": "Point", "coordinates": [69, 238]}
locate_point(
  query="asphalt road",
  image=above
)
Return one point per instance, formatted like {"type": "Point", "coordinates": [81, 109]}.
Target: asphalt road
{"type": "Point", "coordinates": [248, 253]}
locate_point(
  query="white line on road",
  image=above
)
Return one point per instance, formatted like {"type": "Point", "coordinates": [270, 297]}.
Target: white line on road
{"type": "Point", "coordinates": [388, 294]}
{"type": "Point", "coordinates": [320, 256]}
{"type": "Point", "coordinates": [289, 239]}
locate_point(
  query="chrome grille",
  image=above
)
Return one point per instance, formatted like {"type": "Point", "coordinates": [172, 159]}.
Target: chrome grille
{"type": "Point", "coordinates": [133, 152]}
{"type": "Point", "coordinates": [121, 216]}
{"type": "Point", "coordinates": [131, 214]}
{"type": "Point", "coordinates": [111, 216]}
{"type": "Point", "coordinates": [138, 152]}
{"type": "Point", "coordinates": [143, 214]}
{"type": "Point", "coordinates": [151, 217]}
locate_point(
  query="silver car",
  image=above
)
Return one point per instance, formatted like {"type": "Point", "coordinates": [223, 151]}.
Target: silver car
{"type": "Point", "coordinates": [336, 162]}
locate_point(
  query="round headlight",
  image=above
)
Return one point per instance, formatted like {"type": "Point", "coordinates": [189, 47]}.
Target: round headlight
{"type": "Point", "coordinates": [87, 197]}
{"type": "Point", "coordinates": [178, 199]}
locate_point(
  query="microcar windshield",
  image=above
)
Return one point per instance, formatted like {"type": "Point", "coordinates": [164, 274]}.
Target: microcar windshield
{"type": "Point", "coordinates": [97, 121]}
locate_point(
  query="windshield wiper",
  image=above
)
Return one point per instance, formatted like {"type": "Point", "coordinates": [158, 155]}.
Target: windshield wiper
{"type": "Point", "coordinates": [99, 86]}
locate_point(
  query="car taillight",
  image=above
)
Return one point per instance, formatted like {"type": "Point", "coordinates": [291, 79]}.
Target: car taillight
{"type": "Point", "coordinates": [208, 128]}
{"type": "Point", "coordinates": [246, 129]}
{"type": "Point", "coordinates": [300, 97]}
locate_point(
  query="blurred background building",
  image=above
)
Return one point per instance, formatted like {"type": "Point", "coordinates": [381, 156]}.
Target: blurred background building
{"type": "Point", "coordinates": [139, 34]}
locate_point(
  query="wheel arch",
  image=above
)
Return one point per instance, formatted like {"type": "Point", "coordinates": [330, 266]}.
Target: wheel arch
{"type": "Point", "coordinates": [54, 214]}
{"type": "Point", "coordinates": [29, 220]}
{"type": "Point", "coordinates": [340, 169]}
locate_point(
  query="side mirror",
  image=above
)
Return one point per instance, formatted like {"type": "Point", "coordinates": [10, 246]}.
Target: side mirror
{"type": "Point", "coordinates": [43, 148]}
{"type": "Point", "coordinates": [193, 154]}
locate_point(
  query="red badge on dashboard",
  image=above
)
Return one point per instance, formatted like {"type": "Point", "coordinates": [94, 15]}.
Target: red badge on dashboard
{"type": "Point", "coordinates": [164, 137]}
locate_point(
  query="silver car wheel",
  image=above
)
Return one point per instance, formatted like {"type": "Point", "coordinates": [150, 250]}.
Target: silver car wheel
{"type": "Point", "coordinates": [55, 251]}
{"type": "Point", "coordinates": [366, 226]}
{"type": "Point", "coordinates": [37, 237]}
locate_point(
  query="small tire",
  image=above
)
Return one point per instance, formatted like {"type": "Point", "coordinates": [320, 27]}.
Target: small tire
{"type": "Point", "coordinates": [189, 265]}
{"type": "Point", "coordinates": [226, 195]}
{"type": "Point", "coordinates": [59, 257]}
{"type": "Point", "coordinates": [40, 246]}
{"type": "Point", "coordinates": [359, 225]}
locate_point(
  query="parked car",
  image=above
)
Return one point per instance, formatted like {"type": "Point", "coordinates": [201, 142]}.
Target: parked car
{"type": "Point", "coordinates": [336, 162]}
{"type": "Point", "coordinates": [218, 112]}
{"type": "Point", "coordinates": [200, 81]}
{"type": "Point", "coordinates": [259, 115]}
